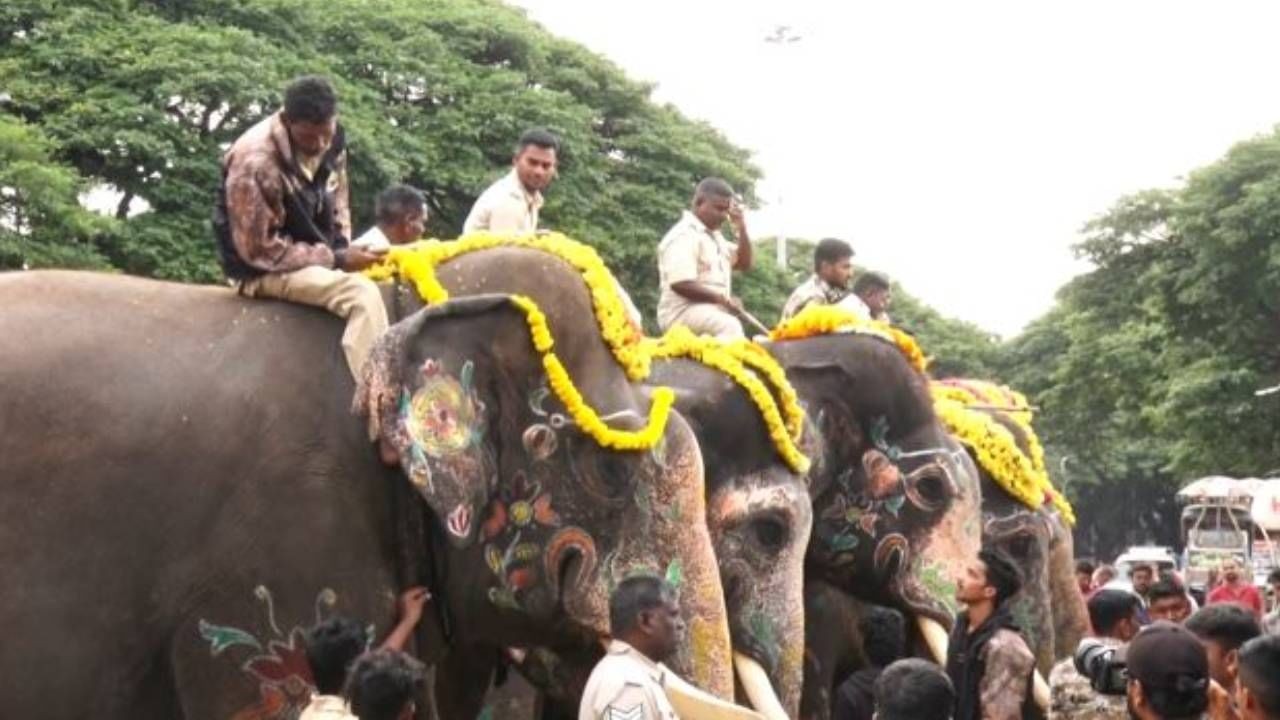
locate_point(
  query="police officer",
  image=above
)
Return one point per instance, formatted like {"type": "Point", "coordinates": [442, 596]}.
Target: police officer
{"type": "Point", "coordinates": [627, 684]}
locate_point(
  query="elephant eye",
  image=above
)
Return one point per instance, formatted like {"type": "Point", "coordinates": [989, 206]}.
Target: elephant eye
{"type": "Point", "coordinates": [770, 532]}
{"type": "Point", "coordinates": [607, 475]}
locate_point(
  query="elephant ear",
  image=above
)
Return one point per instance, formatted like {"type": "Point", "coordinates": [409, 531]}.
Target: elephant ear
{"type": "Point", "coordinates": [421, 390]}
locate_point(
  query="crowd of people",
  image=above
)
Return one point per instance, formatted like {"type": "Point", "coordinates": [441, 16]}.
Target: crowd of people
{"type": "Point", "coordinates": [1154, 655]}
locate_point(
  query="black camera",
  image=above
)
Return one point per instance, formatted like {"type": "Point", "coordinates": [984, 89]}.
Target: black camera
{"type": "Point", "coordinates": [1107, 674]}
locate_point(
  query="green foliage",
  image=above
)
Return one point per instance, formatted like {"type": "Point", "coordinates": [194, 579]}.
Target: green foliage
{"type": "Point", "coordinates": [41, 221]}
{"type": "Point", "coordinates": [143, 97]}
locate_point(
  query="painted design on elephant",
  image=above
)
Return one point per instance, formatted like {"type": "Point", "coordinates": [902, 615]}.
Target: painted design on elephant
{"type": "Point", "coordinates": [440, 420]}
{"type": "Point", "coordinates": [279, 663]}
{"type": "Point", "coordinates": [519, 510]}
{"type": "Point", "coordinates": [939, 585]}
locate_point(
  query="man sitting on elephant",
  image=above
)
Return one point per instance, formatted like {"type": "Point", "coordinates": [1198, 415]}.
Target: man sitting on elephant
{"type": "Point", "coordinates": [695, 264]}
{"type": "Point", "coordinates": [829, 284]}
{"type": "Point", "coordinates": [283, 219]}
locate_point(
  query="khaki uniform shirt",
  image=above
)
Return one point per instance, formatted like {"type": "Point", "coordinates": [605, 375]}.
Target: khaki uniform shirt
{"type": "Point", "coordinates": [689, 251]}
{"type": "Point", "coordinates": [1072, 698]}
{"type": "Point", "coordinates": [327, 707]}
{"type": "Point", "coordinates": [506, 207]}
{"type": "Point", "coordinates": [814, 291]}
{"type": "Point", "coordinates": [626, 685]}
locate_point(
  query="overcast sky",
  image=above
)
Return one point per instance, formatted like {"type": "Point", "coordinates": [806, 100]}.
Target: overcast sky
{"type": "Point", "coordinates": [959, 146]}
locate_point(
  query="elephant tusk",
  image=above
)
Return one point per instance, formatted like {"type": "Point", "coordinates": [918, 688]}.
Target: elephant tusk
{"type": "Point", "coordinates": [692, 703]}
{"type": "Point", "coordinates": [935, 636]}
{"type": "Point", "coordinates": [758, 688]}
{"type": "Point", "coordinates": [1041, 692]}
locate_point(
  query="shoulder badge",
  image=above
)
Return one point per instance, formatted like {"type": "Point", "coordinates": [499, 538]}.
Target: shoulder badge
{"type": "Point", "coordinates": [613, 712]}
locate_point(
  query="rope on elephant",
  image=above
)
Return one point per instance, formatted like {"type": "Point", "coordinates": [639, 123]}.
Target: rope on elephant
{"type": "Point", "coordinates": [817, 320]}
{"type": "Point", "coordinates": [750, 366]}
{"type": "Point", "coordinates": [1022, 474]}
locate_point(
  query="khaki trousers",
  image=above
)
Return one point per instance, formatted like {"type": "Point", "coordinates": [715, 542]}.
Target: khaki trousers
{"type": "Point", "coordinates": [708, 319]}
{"type": "Point", "coordinates": [347, 295]}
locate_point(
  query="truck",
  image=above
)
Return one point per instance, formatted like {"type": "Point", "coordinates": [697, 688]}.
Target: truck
{"type": "Point", "coordinates": [1229, 517]}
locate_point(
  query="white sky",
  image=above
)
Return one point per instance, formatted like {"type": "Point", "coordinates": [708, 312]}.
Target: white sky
{"type": "Point", "coordinates": [959, 145]}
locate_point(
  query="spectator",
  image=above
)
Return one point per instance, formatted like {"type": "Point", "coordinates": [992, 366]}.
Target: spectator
{"type": "Point", "coordinates": [883, 641]}
{"type": "Point", "coordinates": [696, 264]}
{"type": "Point", "coordinates": [1084, 576]}
{"type": "Point", "coordinates": [1236, 589]}
{"type": "Point", "coordinates": [401, 212]}
{"type": "Point", "coordinates": [1223, 628]}
{"type": "Point", "coordinates": [913, 689]}
{"type": "Point", "coordinates": [1114, 616]}
{"type": "Point", "coordinates": [1168, 674]}
{"type": "Point", "coordinates": [988, 661]}
{"type": "Point", "coordinates": [334, 644]}
{"type": "Point", "coordinates": [1103, 575]}
{"type": "Point", "coordinates": [510, 205]}
{"type": "Point", "coordinates": [1271, 623]}
{"type": "Point", "coordinates": [829, 284]}
{"type": "Point", "coordinates": [383, 685]}
{"type": "Point", "coordinates": [1166, 600]}
{"type": "Point", "coordinates": [1258, 692]}
{"type": "Point", "coordinates": [644, 620]}
{"type": "Point", "coordinates": [1141, 577]}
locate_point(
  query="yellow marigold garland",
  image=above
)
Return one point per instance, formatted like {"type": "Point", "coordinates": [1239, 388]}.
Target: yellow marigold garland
{"type": "Point", "coordinates": [745, 364]}
{"type": "Point", "coordinates": [828, 319]}
{"type": "Point", "coordinates": [416, 264]}
{"type": "Point", "coordinates": [582, 414]}
{"type": "Point", "coordinates": [1023, 475]}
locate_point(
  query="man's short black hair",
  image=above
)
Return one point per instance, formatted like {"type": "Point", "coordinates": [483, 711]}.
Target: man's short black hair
{"type": "Point", "coordinates": [1165, 588]}
{"type": "Point", "coordinates": [1273, 577]}
{"type": "Point", "coordinates": [397, 203]}
{"type": "Point", "coordinates": [633, 596]}
{"type": "Point", "coordinates": [1226, 624]}
{"type": "Point", "coordinates": [1002, 574]}
{"type": "Point", "coordinates": [870, 280]}
{"type": "Point", "coordinates": [310, 99]}
{"type": "Point", "coordinates": [1142, 569]}
{"type": "Point", "coordinates": [830, 250]}
{"type": "Point", "coordinates": [538, 137]}
{"type": "Point", "coordinates": [1109, 607]}
{"type": "Point", "coordinates": [1084, 566]}
{"type": "Point", "coordinates": [712, 187]}
{"type": "Point", "coordinates": [332, 645]}
{"type": "Point", "coordinates": [914, 689]}
{"type": "Point", "coordinates": [1260, 672]}
{"type": "Point", "coordinates": [884, 635]}
{"type": "Point", "coordinates": [382, 683]}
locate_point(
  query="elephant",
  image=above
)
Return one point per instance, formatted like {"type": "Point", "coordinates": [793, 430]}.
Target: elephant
{"type": "Point", "coordinates": [885, 475]}
{"type": "Point", "coordinates": [1049, 609]}
{"type": "Point", "coordinates": [185, 488]}
{"type": "Point", "coordinates": [758, 511]}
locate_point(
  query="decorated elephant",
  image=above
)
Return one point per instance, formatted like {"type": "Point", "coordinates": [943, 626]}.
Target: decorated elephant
{"type": "Point", "coordinates": [885, 475]}
{"type": "Point", "coordinates": [1021, 513]}
{"type": "Point", "coordinates": [185, 487]}
{"type": "Point", "coordinates": [757, 507]}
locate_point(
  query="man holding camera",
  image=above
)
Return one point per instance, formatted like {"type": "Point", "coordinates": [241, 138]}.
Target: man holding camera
{"type": "Point", "coordinates": [1114, 617]}
{"type": "Point", "coordinates": [1168, 674]}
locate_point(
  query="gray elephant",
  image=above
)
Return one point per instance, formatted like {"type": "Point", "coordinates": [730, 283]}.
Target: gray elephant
{"type": "Point", "coordinates": [185, 487]}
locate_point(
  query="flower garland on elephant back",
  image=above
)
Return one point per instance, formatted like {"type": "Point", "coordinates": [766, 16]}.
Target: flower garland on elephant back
{"type": "Point", "coordinates": [747, 364]}
{"type": "Point", "coordinates": [1022, 475]}
{"type": "Point", "coordinates": [817, 320]}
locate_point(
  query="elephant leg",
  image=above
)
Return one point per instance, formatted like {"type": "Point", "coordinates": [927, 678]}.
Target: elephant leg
{"type": "Point", "coordinates": [462, 681]}
{"type": "Point", "coordinates": [833, 647]}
